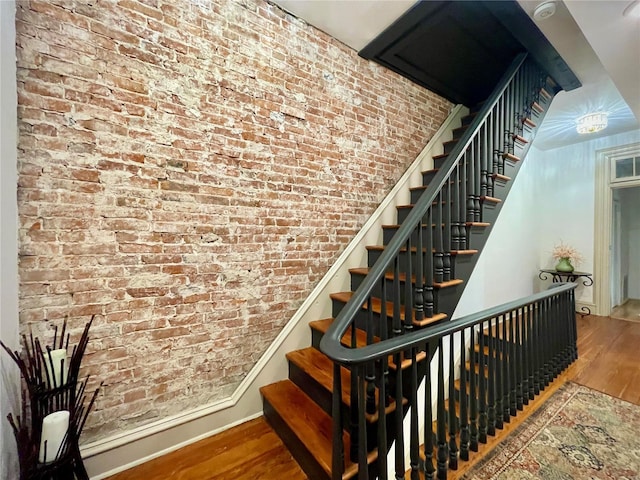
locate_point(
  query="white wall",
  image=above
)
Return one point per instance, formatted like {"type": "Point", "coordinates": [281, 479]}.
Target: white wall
{"type": "Point", "coordinates": [564, 207]}
{"type": "Point", "coordinates": [9, 380]}
{"type": "Point", "coordinates": [507, 268]}
{"type": "Point", "coordinates": [551, 200]}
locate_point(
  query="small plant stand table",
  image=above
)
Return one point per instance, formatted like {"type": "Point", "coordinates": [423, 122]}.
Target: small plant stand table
{"type": "Point", "coordinates": [576, 277]}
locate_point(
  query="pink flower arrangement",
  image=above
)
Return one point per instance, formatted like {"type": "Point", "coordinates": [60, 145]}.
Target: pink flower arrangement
{"type": "Point", "coordinates": [563, 250]}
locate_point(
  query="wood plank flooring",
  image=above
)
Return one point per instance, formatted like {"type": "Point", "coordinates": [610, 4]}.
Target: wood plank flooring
{"type": "Point", "coordinates": [608, 361]}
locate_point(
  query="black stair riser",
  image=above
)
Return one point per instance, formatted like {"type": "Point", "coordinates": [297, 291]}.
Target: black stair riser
{"type": "Point", "coordinates": [428, 176]}
{"type": "Point", "coordinates": [356, 280]}
{"type": "Point", "coordinates": [456, 261]}
{"type": "Point", "coordinates": [363, 319]}
{"type": "Point", "coordinates": [389, 231]}
{"type": "Point", "coordinates": [438, 162]}
{"type": "Point", "coordinates": [404, 256]}
{"type": "Point", "coordinates": [448, 146]}
{"type": "Point", "coordinates": [403, 213]}
{"type": "Point", "coordinates": [471, 233]}
{"type": "Point", "coordinates": [457, 132]}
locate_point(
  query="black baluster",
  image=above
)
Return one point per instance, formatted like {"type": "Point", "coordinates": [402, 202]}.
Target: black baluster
{"type": "Point", "coordinates": [382, 416]}
{"type": "Point", "coordinates": [471, 205]}
{"type": "Point", "coordinates": [414, 434]}
{"type": "Point", "coordinates": [477, 211]}
{"type": "Point", "coordinates": [399, 433]}
{"type": "Point", "coordinates": [464, 415]}
{"type": "Point", "coordinates": [446, 231]}
{"type": "Point", "coordinates": [337, 454]}
{"type": "Point", "coordinates": [354, 400]}
{"type": "Point", "coordinates": [506, 367]}
{"type": "Point", "coordinates": [491, 380]}
{"type": "Point", "coordinates": [362, 424]}
{"type": "Point", "coordinates": [370, 374]}
{"type": "Point", "coordinates": [453, 419]}
{"type": "Point", "coordinates": [520, 357]}
{"type": "Point", "coordinates": [482, 386]}
{"type": "Point", "coordinates": [473, 392]}
{"type": "Point", "coordinates": [462, 203]}
{"type": "Point", "coordinates": [524, 348]}
{"type": "Point", "coordinates": [438, 262]}
{"type": "Point", "coordinates": [443, 449]}
{"type": "Point", "coordinates": [513, 361]}
{"type": "Point", "coordinates": [501, 116]}
{"type": "Point", "coordinates": [408, 287]}
{"type": "Point", "coordinates": [499, 359]}
{"type": "Point", "coordinates": [384, 335]}
{"type": "Point", "coordinates": [418, 302]}
{"type": "Point", "coordinates": [484, 180]}
{"type": "Point", "coordinates": [428, 270]}
{"type": "Point", "coordinates": [429, 468]}
{"type": "Point", "coordinates": [531, 350]}
{"type": "Point", "coordinates": [455, 210]}
{"type": "Point", "coordinates": [537, 347]}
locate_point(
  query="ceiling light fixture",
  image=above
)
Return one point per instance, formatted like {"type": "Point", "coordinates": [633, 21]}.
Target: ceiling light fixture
{"type": "Point", "coordinates": [592, 122]}
{"type": "Point", "coordinates": [544, 10]}
{"type": "Point", "coordinates": [632, 10]}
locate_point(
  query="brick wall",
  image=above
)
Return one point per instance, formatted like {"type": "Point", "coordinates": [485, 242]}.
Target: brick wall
{"type": "Point", "coordinates": [188, 171]}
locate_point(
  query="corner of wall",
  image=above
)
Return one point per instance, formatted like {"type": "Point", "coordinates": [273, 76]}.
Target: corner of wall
{"type": "Point", "coordinates": [9, 380]}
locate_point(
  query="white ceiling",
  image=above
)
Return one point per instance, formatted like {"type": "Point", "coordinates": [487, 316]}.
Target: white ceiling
{"type": "Point", "coordinates": [601, 46]}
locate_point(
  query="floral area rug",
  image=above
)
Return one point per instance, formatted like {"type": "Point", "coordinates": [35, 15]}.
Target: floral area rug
{"type": "Point", "coordinates": [577, 434]}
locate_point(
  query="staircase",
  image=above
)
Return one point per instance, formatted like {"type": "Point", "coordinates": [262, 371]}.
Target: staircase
{"type": "Point", "coordinates": [328, 412]}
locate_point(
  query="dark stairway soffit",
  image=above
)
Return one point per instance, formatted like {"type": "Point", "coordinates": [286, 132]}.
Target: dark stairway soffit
{"type": "Point", "coordinates": [460, 49]}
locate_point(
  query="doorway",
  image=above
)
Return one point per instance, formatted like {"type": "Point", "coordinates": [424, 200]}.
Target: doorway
{"type": "Point", "coordinates": [625, 252]}
{"type": "Point", "coordinates": [617, 232]}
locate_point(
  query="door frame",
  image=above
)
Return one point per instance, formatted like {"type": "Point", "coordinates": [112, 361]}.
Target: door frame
{"type": "Point", "coordinates": [603, 222]}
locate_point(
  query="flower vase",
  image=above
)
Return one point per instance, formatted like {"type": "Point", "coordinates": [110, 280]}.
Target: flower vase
{"type": "Point", "coordinates": [564, 265]}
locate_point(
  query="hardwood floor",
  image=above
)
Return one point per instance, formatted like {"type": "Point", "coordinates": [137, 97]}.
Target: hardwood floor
{"type": "Point", "coordinates": [608, 361]}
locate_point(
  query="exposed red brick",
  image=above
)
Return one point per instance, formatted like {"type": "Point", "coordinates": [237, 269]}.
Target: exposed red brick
{"type": "Point", "coordinates": [188, 175]}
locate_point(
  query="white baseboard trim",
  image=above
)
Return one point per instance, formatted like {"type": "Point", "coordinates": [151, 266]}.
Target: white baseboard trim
{"type": "Point", "coordinates": [119, 452]}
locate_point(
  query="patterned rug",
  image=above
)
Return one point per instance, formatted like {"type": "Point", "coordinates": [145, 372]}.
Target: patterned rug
{"type": "Point", "coordinates": [578, 433]}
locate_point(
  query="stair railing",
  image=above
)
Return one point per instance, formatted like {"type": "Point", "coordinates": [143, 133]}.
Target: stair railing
{"type": "Point", "coordinates": [502, 357]}
{"type": "Point", "coordinates": [418, 258]}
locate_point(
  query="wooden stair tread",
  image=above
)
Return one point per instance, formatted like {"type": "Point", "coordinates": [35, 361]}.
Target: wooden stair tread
{"type": "Point", "coordinates": [381, 248]}
{"type": "Point", "coordinates": [468, 224]}
{"type": "Point", "coordinates": [403, 277]}
{"type": "Point", "coordinates": [324, 326]}
{"type": "Point", "coordinates": [361, 336]}
{"type": "Point", "coordinates": [320, 367]}
{"type": "Point", "coordinates": [376, 306]}
{"type": "Point", "coordinates": [530, 123]}
{"type": "Point", "coordinates": [477, 224]}
{"type": "Point", "coordinates": [463, 252]}
{"type": "Point", "coordinates": [485, 198]}
{"type": "Point", "coordinates": [520, 139]}
{"type": "Point", "coordinates": [537, 107]}
{"type": "Point", "coordinates": [501, 178]}
{"type": "Point", "coordinates": [511, 157]}
{"type": "Point", "coordinates": [449, 283]}
{"type": "Point", "coordinates": [312, 425]}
